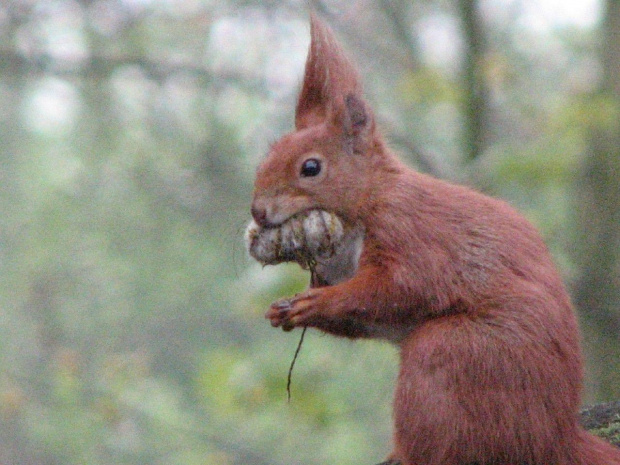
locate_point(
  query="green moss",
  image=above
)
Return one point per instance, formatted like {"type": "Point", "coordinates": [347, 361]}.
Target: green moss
{"type": "Point", "coordinates": [610, 432]}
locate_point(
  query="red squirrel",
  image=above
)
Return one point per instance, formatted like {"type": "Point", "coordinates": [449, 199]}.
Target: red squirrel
{"type": "Point", "coordinates": [490, 362]}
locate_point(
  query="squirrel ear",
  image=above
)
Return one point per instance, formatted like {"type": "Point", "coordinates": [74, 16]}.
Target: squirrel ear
{"type": "Point", "coordinates": [328, 78]}
{"type": "Point", "coordinates": [354, 120]}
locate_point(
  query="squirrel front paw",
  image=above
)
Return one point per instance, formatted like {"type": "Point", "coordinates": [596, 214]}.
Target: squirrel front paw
{"type": "Point", "coordinates": [292, 312]}
{"type": "Point", "coordinates": [278, 314]}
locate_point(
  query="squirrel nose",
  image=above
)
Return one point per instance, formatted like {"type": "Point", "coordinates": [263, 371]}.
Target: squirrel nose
{"type": "Point", "coordinates": [260, 215]}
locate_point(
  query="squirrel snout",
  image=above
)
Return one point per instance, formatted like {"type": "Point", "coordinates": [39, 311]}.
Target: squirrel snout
{"type": "Point", "coordinates": [260, 215]}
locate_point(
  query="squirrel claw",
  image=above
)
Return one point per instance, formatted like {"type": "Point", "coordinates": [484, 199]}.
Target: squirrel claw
{"type": "Point", "coordinates": [277, 313]}
{"type": "Point", "coordinates": [289, 313]}
{"type": "Point", "coordinates": [287, 326]}
{"type": "Point", "coordinates": [282, 306]}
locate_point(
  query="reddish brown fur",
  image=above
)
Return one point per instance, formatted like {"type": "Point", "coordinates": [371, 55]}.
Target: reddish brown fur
{"type": "Point", "coordinates": [490, 361]}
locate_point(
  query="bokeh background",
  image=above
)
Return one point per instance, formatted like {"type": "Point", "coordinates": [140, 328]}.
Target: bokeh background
{"type": "Point", "coordinates": [131, 328]}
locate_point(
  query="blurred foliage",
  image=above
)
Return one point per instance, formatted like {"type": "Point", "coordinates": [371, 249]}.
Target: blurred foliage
{"type": "Point", "coordinates": [131, 318]}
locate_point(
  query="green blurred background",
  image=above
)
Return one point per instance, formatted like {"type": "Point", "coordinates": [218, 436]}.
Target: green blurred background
{"type": "Point", "coordinates": [131, 317]}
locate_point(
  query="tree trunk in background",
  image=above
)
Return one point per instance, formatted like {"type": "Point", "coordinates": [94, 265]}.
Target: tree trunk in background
{"type": "Point", "coordinates": [475, 98]}
{"type": "Point", "coordinates": [597, 293]}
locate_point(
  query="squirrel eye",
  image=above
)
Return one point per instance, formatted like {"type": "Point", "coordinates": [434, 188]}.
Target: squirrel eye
{"type": "Point", "coordinates": [310, 167]}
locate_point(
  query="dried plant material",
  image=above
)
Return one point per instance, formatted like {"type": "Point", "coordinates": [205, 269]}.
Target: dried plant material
{"type": "Point", "coordinates": [289, 377]}
{"type": "Point", "coordinates": [305, 238]}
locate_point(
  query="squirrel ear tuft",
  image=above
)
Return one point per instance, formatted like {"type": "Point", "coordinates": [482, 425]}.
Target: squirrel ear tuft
{"type": "Point", "coordinates": [329, 77]}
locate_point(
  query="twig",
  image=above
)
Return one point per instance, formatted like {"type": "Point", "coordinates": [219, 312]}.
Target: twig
{"type": "Point", "coordinates": [290, 370]}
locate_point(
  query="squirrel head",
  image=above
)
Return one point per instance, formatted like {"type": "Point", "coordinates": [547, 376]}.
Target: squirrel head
{"type": "Point", "coordinates": [329, 159]}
